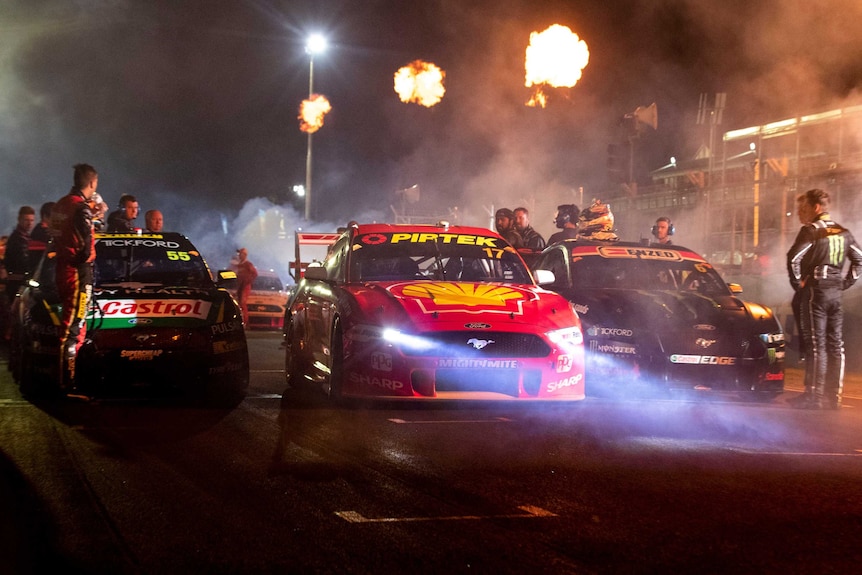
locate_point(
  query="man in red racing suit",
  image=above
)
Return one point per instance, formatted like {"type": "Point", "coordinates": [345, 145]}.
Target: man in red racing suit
{"type": "Point", "coordinates": [816, 264]}
{"type": "Point", "coordinates": [72, 228]}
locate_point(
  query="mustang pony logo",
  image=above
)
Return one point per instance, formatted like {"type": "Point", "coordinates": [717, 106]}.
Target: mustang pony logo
{"type": "Point", "coordinates": [479, 343]}
{"type": "Point", "coordinates": [439, 297]}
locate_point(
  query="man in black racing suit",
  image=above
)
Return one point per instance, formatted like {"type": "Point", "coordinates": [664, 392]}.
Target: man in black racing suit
{"type": "Point", "coordinates": [815, 264]}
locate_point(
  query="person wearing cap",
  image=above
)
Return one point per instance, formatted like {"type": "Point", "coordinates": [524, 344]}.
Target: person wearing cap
{"type": "Point", "coordinates": [566, 220]}
{"type": "Point", "coordinates": [246, 273]}
{"type": "Point", "coordinates": [504, 221]}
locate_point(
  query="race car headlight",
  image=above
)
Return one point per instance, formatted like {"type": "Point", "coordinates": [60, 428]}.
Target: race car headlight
{"type": "Point", "coordinates": [567, 338]}
{"type": "Point", "coordinates": [406, 340]}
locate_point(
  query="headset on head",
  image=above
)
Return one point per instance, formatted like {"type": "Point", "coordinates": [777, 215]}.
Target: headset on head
{"type": "Point", "coordinates": [670, 228]}
{"type": "Point", "coordinates": [125, 198]}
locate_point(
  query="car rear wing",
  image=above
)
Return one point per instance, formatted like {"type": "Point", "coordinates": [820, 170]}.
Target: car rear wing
{"type": "Point", "coordinates": [307, 239]}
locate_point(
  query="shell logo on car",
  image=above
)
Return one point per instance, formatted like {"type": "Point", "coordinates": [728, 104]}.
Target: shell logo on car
{"type": "Point", "coordinates": [437, 297]}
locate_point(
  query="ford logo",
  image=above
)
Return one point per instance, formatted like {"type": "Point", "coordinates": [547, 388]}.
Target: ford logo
{"type": "Point", "coordinates": [477, 325]}
{"type": "Point", "coordinates": [140, 320]}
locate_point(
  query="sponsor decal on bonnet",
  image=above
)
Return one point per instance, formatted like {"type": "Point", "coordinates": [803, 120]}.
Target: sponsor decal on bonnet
{"type": "Point", "coordinates": [131, 308]}
{"type": "Point", "coordinates": [447, 297]}
{"type": "Point", "coordinates": [702, 359]}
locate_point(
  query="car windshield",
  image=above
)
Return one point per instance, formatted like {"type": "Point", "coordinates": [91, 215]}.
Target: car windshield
{"type": "Point", "coordinates": [150, 265]}
{"type": "Point", "coordinates": [592, 272]}
{"type": "Point", "coordinates": [267, 283]}
{"type": "Point", "coordinates": [380, 257]}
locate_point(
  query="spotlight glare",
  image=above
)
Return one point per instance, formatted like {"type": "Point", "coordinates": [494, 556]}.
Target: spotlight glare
{"type": "Point", "coordinates": [316, 44]}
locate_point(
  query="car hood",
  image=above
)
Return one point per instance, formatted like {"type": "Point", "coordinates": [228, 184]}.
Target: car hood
{"type": "Point", "coordinates": [267, 297]}
{"type": "Point", "coordinates": [433, 305]}
{"type": "Point", "coordinates": [673, 319]}
{"type": "Point", "coordinates": [121, 307]}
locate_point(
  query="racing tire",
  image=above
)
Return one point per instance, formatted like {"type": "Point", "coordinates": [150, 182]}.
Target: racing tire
{"type": "Point", "coordinates": [15, 351]}
{"type": "Point", "coordinates": [230, 389]}
{"type": "Point", "coordinates": [24, 372]}
{"type": "Point", "coordinates": [761, 396]}
{"type": "Point", "coordinates": [31, 386]}
{"type": "Point", "coordinates": [292, 370]}
{"type": "Point", "coordinates": [228, 392]}
{"type": "Point", "coordinates": [336, 368]}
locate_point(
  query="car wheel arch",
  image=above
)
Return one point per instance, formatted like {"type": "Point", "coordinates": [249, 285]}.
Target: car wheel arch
{"type": "Point", "coordinates": [336, 354]}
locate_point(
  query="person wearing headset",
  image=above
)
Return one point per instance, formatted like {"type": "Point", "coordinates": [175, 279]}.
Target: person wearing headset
{"type": "Point", "coordinates": [122, 219]}
{"type": "Point", "coordinates": [662, 230]}
{"type": "Point", "coordinates": [565, 220]}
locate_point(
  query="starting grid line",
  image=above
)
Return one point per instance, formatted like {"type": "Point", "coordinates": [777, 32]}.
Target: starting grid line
{"type": "Point", "coordinates": [530, 512]}
{"type": "Point", "coordinates": [447, 421]}
{"type": "Point", "coordinates": [13, 402]}
{"type": "Point", "coordinates": [844, 395]}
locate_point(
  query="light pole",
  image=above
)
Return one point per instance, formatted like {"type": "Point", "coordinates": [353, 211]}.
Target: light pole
{"type": "Point", "coordinates": [316, 44]}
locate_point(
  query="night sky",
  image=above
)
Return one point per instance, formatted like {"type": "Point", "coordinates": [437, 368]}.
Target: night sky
{"type": "Point", "coordinates": [192, 105]}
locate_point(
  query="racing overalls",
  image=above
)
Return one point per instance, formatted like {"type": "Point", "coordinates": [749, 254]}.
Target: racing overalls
{"type": "Point", "coordinates": [815, 264]}
{"type": "Point", "coordinates": [17, 260]}
{"type": "Point", "coordinates": [246, 273]}
{"type": "Point", "coordinates": [72, 228]}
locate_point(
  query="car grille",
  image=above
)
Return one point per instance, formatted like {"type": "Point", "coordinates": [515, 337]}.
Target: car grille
{"type": "Point", "coordinates": [265, 308]}
{"type": "Point", "coordinates": [499, 381]}
{"type": "Point", "coordinates": [265, 321]}
{"type": "Point", "coordinates": [496, 344]}
{"type": "Point", "coordinates": [153, 338]}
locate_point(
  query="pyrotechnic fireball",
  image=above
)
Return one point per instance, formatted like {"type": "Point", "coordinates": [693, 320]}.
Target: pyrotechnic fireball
{"type": "Point", "coordinates": [311, 113]}
{"type": "Point", "coordinates": [420, 83]}
{"type": "Point", "coordinates": [555, 57]}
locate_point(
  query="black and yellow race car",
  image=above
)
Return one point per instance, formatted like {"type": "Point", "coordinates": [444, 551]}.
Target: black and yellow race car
{"type": "Point", "coordinates": [660, 317]}
{"type": "Point", "coordinates": [157, 321]}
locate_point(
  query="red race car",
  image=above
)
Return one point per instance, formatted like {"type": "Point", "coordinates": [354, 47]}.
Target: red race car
{"type": "Point", "coordinates": [421, 311]}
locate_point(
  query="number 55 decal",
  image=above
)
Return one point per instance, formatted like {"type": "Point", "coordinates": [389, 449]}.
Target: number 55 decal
{"type": "Point", "coordinates": [183, 256]}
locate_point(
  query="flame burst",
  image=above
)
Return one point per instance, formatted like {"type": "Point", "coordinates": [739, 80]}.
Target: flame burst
{"type": "Point", "coordinates": [311, 113]}
{"type": "Point", "coordinates": [556, 57]}
{"type": "Point", "coordinates": [420, 83]}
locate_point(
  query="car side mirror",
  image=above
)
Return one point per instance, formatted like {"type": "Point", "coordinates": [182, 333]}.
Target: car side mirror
{"type": "Point", "coordinates": [545, 277]}
{"type": "Point", "coordinates": [315, 273]}
{"type": "Point", "coordinates": [226, 279]}
{"type": "Point", "coordinates": [735, 288]}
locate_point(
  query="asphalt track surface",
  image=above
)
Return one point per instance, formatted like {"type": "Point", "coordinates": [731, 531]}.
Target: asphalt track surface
{"type": "Point", "coordinates": [285, 482]}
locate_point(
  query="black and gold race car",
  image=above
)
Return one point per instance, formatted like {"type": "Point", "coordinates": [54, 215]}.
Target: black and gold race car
{"type": "Point", "coordinates": [661, 317]}
{"type": "Point", "coordinates": [157, 321]}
